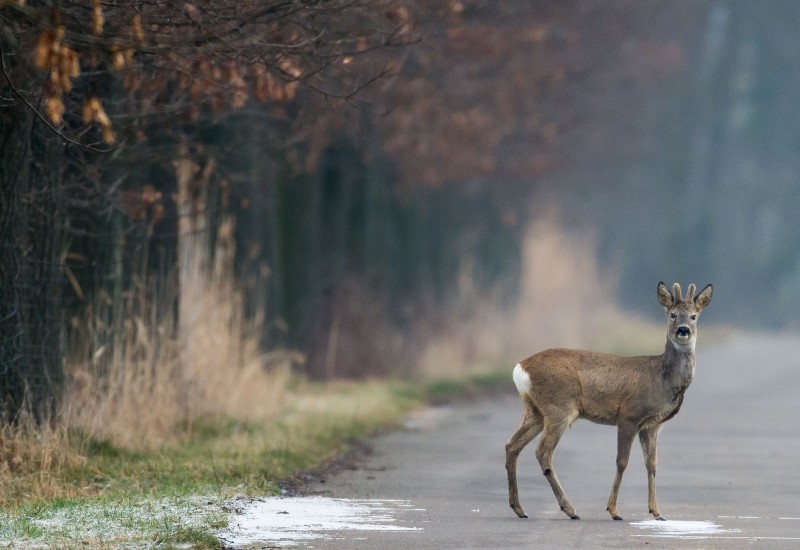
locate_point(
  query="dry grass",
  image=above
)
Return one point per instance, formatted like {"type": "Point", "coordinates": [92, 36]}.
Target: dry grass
{"type": "Point", "coordinates": [152, 410]}
{"type": "Point", "coordinates": [566, 300]}
{"type": "Point", "coordinates": [145, 386]}
{"type": "Point", "coordinates": [134, 384]}
{"type": "Point", "coordinates": [33, 461]}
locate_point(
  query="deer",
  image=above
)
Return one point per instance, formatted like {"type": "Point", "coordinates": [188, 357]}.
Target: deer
{"type": "Point", "coordinates": [635, 394]}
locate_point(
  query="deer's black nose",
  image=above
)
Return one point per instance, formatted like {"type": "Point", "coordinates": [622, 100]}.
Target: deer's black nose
{"type": "Point", "coordinates": [682, 332]}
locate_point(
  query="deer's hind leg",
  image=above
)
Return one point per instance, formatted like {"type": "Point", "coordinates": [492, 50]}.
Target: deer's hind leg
{"type": "Point", "coordinates": [532, 423]}
{"type": "Point", "coordinates": [554, 428]}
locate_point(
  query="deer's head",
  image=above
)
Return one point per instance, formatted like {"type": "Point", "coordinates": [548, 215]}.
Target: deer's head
{"type": "Point", "coordinates": [682, 313]}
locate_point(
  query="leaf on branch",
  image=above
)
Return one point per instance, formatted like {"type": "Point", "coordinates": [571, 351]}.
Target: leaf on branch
{"type": "Point", "coordinates": [109, 137]}
{"type": "Point", "coordinates": [54, 108]}
{"type": "Point", "coordinates": [44, 45]}
{"type": "Point", "coordinates": [143, 205]}
{"type": "Point", "coordinates": [120, 58]}
{"type": "Point", "coordinates": [239, 87]}
{"type": "Point", "coordinates": [98, 20]}
{"type": "Point", "coordinates": [68, 68]}
{"type": "Point", "coordinates": [93, 111]}
{"type": "Point", "coordinates": [194, 14]}
{"type": "Point", "coordinates": [138, 31]}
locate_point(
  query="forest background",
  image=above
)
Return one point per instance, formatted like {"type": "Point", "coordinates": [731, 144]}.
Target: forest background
{"type": "Point", "coordinates": [201, 200]}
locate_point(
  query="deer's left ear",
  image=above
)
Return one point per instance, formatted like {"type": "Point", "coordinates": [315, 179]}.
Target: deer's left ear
{"type": "Point", "coordinates": [704, 298]}
{"type": "Point", "coordinates": [665, 297]}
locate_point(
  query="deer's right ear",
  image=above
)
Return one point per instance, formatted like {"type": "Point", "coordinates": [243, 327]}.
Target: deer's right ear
{"type": "Point", "coordinates": [665, 297]}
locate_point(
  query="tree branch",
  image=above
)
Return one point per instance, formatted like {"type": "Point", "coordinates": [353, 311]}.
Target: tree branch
{"type": "Point", "coordinates": [39, 115]}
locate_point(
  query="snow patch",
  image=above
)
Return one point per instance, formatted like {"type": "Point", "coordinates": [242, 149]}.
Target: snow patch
{"type": "Point", "coordinates": [683, 529]}
{"type": "Point", "coordinates": [283, 521]}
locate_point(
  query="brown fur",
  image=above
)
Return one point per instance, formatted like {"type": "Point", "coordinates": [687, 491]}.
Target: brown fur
{"type": "Point", "coordinates": [636, 394]}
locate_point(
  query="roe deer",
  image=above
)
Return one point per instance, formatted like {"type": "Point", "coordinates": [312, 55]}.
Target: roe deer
{"type": "Point", "coordinates": [637, 394]}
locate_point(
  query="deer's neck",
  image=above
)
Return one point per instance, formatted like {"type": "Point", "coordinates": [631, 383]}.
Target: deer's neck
{"type": "Point", "coordinates": [678, 365]}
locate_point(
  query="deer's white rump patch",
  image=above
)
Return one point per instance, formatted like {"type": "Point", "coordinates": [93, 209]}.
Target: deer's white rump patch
{"type": "Point", "coordinates": [521, 379]}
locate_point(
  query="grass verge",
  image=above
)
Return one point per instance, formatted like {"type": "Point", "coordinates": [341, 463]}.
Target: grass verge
{"type": "Point", "coordinates": [174, 496]}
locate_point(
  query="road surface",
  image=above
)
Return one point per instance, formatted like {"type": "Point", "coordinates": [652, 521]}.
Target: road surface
{"type": "Point", "coordinates": [729, 470]}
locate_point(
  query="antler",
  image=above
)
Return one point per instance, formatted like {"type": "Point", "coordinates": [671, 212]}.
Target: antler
{"type": "Point", "coordinates": [690, 292]}
{"type": "Point", "coordinates": [676, 290]}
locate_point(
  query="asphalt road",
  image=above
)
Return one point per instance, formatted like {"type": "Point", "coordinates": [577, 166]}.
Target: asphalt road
{"type": "Point", "coordinates": [728, 470]}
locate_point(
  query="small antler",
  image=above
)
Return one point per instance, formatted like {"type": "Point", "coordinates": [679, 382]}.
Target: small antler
{"type": "Point", "coordinates": [676, 290]}
{"type": "Point", "coordinates": [690, 292]}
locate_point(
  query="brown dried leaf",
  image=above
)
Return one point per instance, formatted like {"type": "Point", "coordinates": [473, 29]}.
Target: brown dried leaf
{"type": "Point", "coordinates": [54, 108]}
{"type": "Point", "coordinates": [98, 19]}
{"type": "Point", "coordinates": [67, 68]}
{"type": "Point", "coordinates": [118, 59]}
{"type": "Point", "coordinates": [239, 98]}
{"type": "Point", "coordinates": [86, 113]}
{"type": "Point", "coordinates": [100, 115]}
{"type": "Point", "coordinates": [108, 135]}
{"type": "Point", "coordinates": [288, 67]}
{"type": "Point", "coordinates": [41, 54]}
{"type": "Point", "coordinates": [138, 31]}
{"type": "Point", "coordinates": [150, 195]}
{"type": "Point", "coordinates": [90, 107]}
{"type": "Point", "coordinates": [239, 87]}
{"type": "Point", "coordinates": [260, 84]}
{"type": "Point", "coordinates": [397, 14]}
{"type": "Point", "coordinates": [74, 64]}
{"type": "Point", "coordinates": [289, 89]}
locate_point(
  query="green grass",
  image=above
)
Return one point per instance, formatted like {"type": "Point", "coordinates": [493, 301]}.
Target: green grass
{"type": "Point", "coordinates": [107, 522]}
{"type": "Point", "coordinates": [443, 390]}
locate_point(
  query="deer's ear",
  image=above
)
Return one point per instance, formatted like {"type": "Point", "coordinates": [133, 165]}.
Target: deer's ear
{"type": "Point", "coordinates": [665, 297]}
{"type": "Point", "coordinates": [704, 298]}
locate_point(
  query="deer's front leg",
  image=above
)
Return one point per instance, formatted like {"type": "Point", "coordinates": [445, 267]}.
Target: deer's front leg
{"type": "Point", "coordinates": [625, 435]}
{"type": "Point", "coordinates": [649, 440]}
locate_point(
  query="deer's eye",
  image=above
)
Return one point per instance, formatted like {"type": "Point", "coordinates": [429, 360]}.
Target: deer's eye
{"type": "Point", "coordinates": [694, 317]}
{"type": "Point", "coordinates": [672, 316]}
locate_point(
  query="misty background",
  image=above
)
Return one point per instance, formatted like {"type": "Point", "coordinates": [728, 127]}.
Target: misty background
{"type": "Point", "coordinates": [508, 176]}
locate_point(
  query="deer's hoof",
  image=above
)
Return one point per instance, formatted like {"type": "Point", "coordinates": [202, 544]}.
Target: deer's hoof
{"type": "Point", "coordinates": [661, 518]}
{"type": "Point", "coordinates": [523, 515]}
{"type": "Point", "coordinates": [574, 516]}
{"type": "Point", "coordinates": [616, 518]}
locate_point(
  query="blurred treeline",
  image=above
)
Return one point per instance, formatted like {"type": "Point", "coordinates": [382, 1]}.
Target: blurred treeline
{"type": "Point", "coordinates": [380, 164]}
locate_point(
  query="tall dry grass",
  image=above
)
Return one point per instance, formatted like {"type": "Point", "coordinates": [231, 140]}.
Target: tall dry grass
{"type": "Point", "coordinates": [565, 300]}
{"type": "Point", "coordinates": [147, 384]}
{"type": "Point", "coordinates": [30, 454]}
